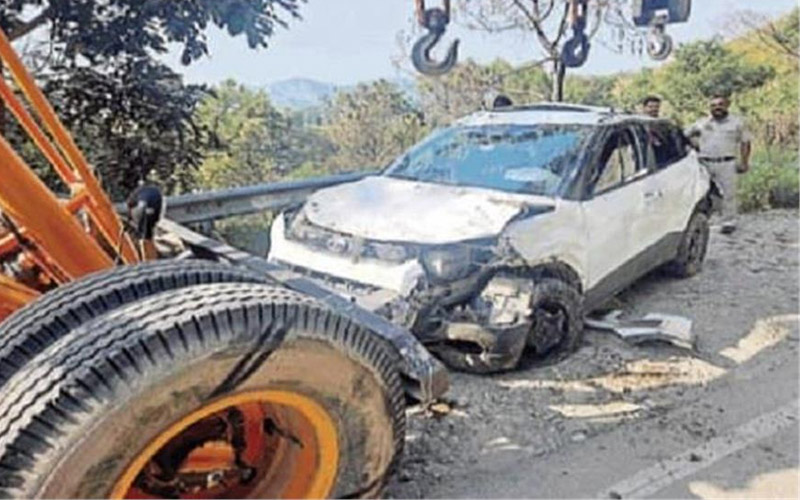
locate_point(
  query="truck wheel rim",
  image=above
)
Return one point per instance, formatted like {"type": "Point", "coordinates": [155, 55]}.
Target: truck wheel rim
{"type": "Point", "coordinates": [264, 444]}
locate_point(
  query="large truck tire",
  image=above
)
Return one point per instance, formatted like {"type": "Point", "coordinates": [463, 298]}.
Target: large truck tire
{"type": "Point", "coordinates": [34, 327]}
{"type": "Point", "coordinates": [211, 391]}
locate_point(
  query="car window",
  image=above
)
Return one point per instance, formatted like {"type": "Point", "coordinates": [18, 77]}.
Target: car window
{"type": "Point", "coordinates": [618, 162]}
{"type": "Point", "coordinates": [532, 159]}
{"type": "Point", "coordinates": [665, 143]}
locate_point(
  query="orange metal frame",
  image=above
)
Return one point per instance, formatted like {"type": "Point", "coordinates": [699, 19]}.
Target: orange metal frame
{"type": "Point", "coordinates": [48, 239]}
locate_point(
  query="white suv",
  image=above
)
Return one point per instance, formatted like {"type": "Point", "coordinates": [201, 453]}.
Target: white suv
{"type": "Point", "coordinates": [502, 230]}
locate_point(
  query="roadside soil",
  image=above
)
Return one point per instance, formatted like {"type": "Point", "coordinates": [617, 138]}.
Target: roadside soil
{"type": "Point", "coordinates": [744, 307]}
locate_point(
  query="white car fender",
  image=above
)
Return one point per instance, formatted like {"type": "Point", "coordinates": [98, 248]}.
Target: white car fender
{"type": "Point", "coordinates": [552, 237]}
{"type": "Point", "coordinates": [704, 180]}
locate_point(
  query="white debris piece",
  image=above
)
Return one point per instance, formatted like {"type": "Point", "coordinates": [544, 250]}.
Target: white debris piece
{"type": "Point", "coordinates": [676, 330]}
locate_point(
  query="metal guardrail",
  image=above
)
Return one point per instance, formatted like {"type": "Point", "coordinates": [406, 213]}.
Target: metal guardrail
{"type": "Point", "coordinates": [213, 205]}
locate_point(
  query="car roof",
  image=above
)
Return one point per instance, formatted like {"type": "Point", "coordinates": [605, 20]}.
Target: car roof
{"type": "Point", "coordinates": [551, 113]}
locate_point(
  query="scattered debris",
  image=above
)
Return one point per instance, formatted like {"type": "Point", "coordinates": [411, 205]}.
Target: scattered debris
{"type": "Point", "coordinates": [675, 330]}
{"type": "Point", "coordinates": [578, 437]}
{"type": "Point", "coordinates": [596, 410]}
{"type": "Point", "coordinates": [440, 409]}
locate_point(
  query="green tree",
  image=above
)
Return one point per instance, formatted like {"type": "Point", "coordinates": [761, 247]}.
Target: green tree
{"type": "Point", "coordinates": [99, 64]}
{"type": "Point", "coordinates": [469, 86]}
{"type": "Point", "coordinates": [591, 90]}
{"type": "Point", "coordinates": [703, 68]}
{"type": "Point", "coordinates": [772, 108]}
{"type": "Point", "coordinates": [133, 122]}
{"type": "Point", "coordinates": [628, 91]}
{"type": "Point", "coordinates": [251, 141]}
{"type": "Point", "coordinates": [370, 126]}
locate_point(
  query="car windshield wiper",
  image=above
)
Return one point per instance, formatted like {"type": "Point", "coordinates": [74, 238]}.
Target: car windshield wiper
{"type": "Point", "coordinates": [401, 175]}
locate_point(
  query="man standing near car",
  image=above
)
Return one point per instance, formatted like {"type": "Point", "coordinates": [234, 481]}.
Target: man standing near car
{"type": "Point", "coordinates": [723, 142]}
{"type": "Point", "coordinates": [651, 106]}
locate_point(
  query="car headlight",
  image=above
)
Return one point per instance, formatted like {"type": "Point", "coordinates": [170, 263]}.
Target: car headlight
{"type": "Point", "coordinates": [389, 252]}
{"type": "Point", "coordinates": [448, 264]}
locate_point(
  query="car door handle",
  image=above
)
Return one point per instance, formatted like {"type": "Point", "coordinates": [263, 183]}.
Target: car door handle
{"type": "Point", "coordinates": [650, 195]}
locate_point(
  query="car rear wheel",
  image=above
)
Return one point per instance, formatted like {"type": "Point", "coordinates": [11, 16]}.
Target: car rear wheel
{"type": "Point", "coordinates": [692, 249]}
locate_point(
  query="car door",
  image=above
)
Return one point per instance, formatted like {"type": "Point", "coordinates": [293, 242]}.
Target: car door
{"type": "Point", "coordinates": [612, 210]}
{"type": "Point", "coordinates": [670, 189]}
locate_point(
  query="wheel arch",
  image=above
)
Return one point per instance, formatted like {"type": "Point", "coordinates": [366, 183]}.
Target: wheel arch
{"type": "Point", "coordinates": [556, 269]}
{"type": "Point", "coordinates": [711, 199]}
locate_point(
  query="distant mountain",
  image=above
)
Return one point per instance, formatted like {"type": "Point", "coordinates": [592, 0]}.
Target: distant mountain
{"type": "Point", "coordinates": [300, 93]}
{"type": "Point", "coordinates": [304, 93]}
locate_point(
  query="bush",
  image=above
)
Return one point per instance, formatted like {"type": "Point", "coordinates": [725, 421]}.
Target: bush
{"type": "Point", "coordinates": [772, 182]}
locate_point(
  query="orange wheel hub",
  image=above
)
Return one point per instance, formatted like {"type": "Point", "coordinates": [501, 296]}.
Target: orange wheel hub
{"type": "Point", "coordinates": [263, 444]}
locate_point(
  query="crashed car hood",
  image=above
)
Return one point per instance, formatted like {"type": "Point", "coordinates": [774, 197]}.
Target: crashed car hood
{"type": "Point", "coordinates": [389, 209]}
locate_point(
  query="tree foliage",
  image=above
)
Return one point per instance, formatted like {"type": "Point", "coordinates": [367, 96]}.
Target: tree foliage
{"type": "Point", "coordinates": [772, 108]}
{"type": "Point", "coordinates": [591, 90]}
{"type": "Point", "coordinates": [471, 86]}
{"type": "Point", "coordinates": [762, 38]}
{"type": "Point", "coordinates": [97, 61]}
{"type": "Point", "coordinates": [251, 141]}
{"type": "Point", "coordinates": [370, 125]}
{"type": "Point", "coordinates": [100, 30]}
{"type": "Point", "coordinates": [703, 68]}
{"type": "Point", "coordinates": [133, 121]}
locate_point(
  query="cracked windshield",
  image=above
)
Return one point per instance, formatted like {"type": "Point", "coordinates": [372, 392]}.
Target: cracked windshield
{"type": "Point", "coordinates": [519, 159]}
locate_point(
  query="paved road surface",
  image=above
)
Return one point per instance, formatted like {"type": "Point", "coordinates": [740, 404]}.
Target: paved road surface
{"type": "Point", "coordinates": [621, 421]}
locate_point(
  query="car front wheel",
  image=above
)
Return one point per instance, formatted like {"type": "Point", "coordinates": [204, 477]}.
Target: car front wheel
{"type": "Point", "coordinates": [557, 320]}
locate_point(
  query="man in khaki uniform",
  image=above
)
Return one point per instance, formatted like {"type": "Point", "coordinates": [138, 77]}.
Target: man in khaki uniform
{"type": "Point", "coordinates": [723, 141]}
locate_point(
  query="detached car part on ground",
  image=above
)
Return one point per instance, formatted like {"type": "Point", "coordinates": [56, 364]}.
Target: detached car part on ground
{"type": "Point", "coordinates": [499, 232]}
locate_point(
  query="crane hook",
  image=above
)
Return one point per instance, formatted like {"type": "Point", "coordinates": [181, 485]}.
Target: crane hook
{"type": "Point", "coordinates": [576, 50]}
{"type": "Point", "coordinates": [435, 21]}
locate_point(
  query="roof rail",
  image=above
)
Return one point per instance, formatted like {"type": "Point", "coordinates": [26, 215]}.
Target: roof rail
{"type": "Point", "coordinates": [554, 106]}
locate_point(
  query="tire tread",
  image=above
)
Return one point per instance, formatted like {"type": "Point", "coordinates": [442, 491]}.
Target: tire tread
{"type": "Point", "coordinates": [34, 327]}
{"type": "Point", "coordinates": [67, 381]}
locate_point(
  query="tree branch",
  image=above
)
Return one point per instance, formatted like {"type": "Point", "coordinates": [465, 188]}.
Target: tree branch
{"type": "Point", "coordinates": [767, 33]}
{"type": "Point", "coordinates": [547, 11]}
{"type": "Point", "coordinates": [779, 39]}
{"type": "Point", "coordinates": [598, 17]}
{"type": "Point", "coordinates": [562, 28]}
{"type": "Point", "coordinates": [534, 19]}
{"type": "Point", "coordinates": [484, 25]}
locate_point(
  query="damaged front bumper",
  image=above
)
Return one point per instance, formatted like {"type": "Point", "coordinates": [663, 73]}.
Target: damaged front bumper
{"type": "Point", "coordinates": [472, 319]}
{"type": "Point", "coordinates": [477, 348]}
{"type": "Point", "coordinates": [468, 337]}
{"type": "Point", "coordinates": [489, 332]}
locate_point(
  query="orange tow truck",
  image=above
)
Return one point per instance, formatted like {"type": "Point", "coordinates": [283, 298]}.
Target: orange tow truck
{"type": "Point", "coordinates": [132, 372]}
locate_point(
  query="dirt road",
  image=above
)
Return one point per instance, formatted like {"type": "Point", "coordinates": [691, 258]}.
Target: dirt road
{"type": "Point", "coordinates": [615, 420]}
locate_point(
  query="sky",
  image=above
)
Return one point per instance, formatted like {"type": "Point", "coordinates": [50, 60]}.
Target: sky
{"type": "Point", "coordinates": [348, 41]}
